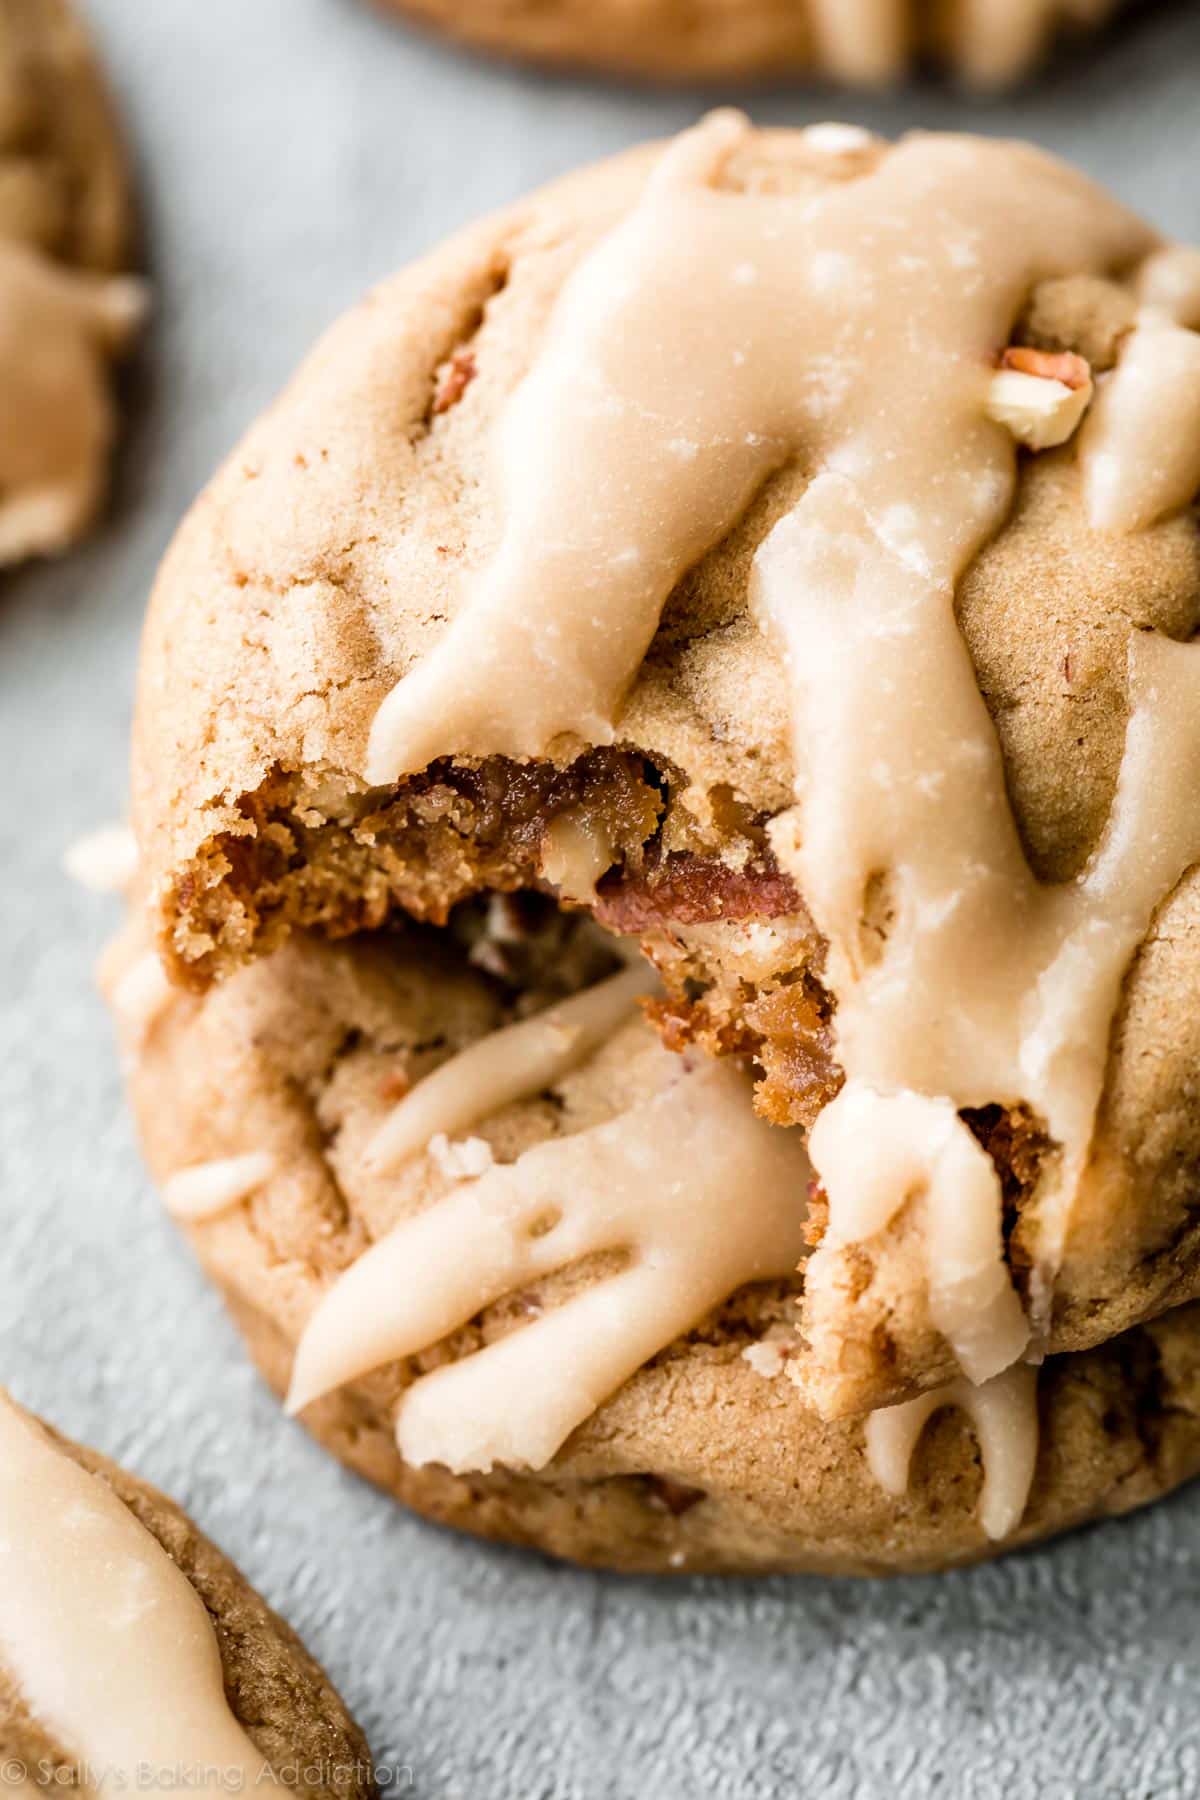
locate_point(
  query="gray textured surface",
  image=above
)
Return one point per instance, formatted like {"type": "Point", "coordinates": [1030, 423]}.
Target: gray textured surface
{"type": "Point", "coordinates": [291, 151]}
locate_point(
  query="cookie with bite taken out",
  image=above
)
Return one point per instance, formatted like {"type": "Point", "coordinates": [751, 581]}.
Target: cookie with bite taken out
{"type": "Point", "coordinates": [778, 550]}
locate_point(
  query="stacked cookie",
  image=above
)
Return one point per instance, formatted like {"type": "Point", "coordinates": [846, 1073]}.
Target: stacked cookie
{"type": "Point", "coordinates": [665, 780]}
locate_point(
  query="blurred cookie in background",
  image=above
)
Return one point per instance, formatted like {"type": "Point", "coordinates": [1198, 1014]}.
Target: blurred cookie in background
{"type": "Point", "coordinates": [863, 43]}
{"type": "Point", "coordinates": [67, 310]}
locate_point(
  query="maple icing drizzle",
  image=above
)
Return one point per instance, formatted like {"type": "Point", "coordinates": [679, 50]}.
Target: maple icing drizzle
{"type": "Point", "coordinates": [1169, 284]}
{"type": "Point", "coordinates": [1140, 448]}
{"type": "Point", "coordinates": [140, 996]}
{"type": "Point", "coordinates": [713, 337]}
{"type": "Point", "coordinates": [864, 42]}
{"type": "Point", "coordinates": [208, 1189]}
{"type": "Point", "coordinates": [105, 860]}
{"type": "Point", "coordinates": [701, 1196]}
{"type": "Point", "coordinates": [110, 1646]}
{"type": "Point", "coordinates": [1003, 1413]}
{"type": "Point", "coordinates": [997, 40]}
{"type": "Point", "coordinates": [507, 1065]}
{"type": "Point", "coordinates": [869, 42]}
{"type": "Point", "coordinates": [930, 1159]}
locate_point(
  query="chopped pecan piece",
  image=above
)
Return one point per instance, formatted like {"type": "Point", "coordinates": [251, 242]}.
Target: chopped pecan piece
{"type": "Point", "coordinates": [685, 889]}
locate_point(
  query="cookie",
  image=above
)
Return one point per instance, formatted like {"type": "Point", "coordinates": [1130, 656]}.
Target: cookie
{"type": "Point", "coordinates": [860, 42]}
{"type": "Point", "coordinates": [64, 181]}
{"type": "Point", "coordinates": [780, 547]}
{"type": "Point", "coordinates": [131, 1645]}
{"type": "Point", "coordinates": [474, 1319]}
{"type": "Point", "coordinates": [66, 310]}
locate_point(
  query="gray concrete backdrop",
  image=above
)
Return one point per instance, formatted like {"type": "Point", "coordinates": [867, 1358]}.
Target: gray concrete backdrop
{"type": "Point", "coordinates": [290, 152]}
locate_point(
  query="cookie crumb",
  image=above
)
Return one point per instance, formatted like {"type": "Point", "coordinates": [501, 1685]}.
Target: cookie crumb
{"type": "Point", "coordinates": [142, 995]}
{"type": "Point", "coordinates": [203, 1190]}
{"type": "Point", "coordinates": [465, 1160]}
{"type": "Point", "coordinates": [766, 1359]}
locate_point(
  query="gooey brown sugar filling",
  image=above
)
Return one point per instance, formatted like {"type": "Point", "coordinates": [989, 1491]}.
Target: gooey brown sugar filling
{"type": "Point", "coordinates": [340, 859]}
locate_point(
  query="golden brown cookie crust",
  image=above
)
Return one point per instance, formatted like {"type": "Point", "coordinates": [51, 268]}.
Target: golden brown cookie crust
{"type": "Point", "coordinates": [322, 563]}
{"type": "Point", "coordinates": [699, 1462]}
{"type": "Point", "coordinates": [282, 1698]}
{"type": "Point", "coordinates": [686, 40]}
{"type": "Point", "coordinates": [64, 187]}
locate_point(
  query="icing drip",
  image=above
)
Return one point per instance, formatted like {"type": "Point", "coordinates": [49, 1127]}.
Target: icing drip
{"type": "Point", "coordinates": [713, 337]}
{"type": "Point", "coordinates": [710, 338]}
{"type": "Point", "coordinates": [1003, 1414]}
{"type": "Point", "coordinates": [106, 860]}
{"type": "Point", "coordinates": [1140, 450]}
{"type": "Point", "coordinates": [110, 1646]}
{"type": "Point", "coordinates": [989, 986]}
{"type": "Point", "coordinates": [999, 39]}
{"type": "Point", "coordinates": [141, 996]}
{"type": "Point", "coordinates": [206, 1189]}
{"type": "Point", "coordinates": [509, 1064]}
{"type": "Point", "coordinates": [863, 42]}
{"type": "Point", "coordinates": [868, 42]}
{"type": "Point", "coordinates": [932, 1161]}
{"type": "Point", "coordinates": [58, 330]}
{"type": "Point", "coordinates": [702, 1197]}
{"type": "Point", "coordinates": [1169, 284]}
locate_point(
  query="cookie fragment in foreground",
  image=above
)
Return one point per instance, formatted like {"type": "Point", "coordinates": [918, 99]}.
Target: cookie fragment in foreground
{"type": "Point", "coordinates": [131, 1645]}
